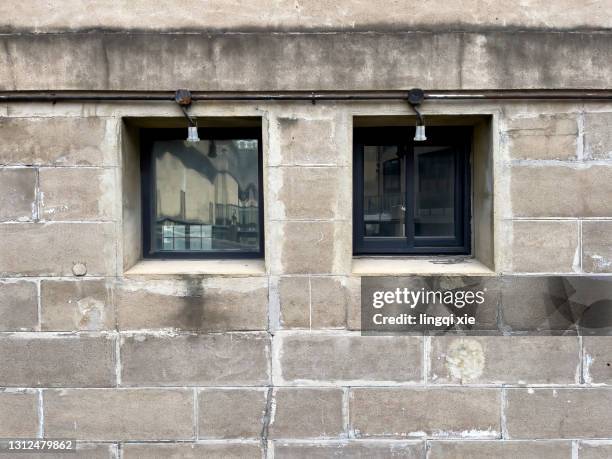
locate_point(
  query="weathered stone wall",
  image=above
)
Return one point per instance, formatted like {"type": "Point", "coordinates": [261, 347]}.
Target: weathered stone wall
{"type": "Point", "coordinates": [266, 358]}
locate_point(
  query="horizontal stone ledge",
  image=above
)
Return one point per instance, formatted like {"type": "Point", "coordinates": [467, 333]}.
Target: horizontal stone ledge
{"type": "Point", "coordinates": [318, 61]}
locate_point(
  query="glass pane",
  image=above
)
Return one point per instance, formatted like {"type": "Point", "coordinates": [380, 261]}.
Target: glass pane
{"type": "Point", "coordinates": [383, 191]}
{"type": "Point", "coordinates": [207, 195]}
{"type": "Point", "coordinates": [434, 198]}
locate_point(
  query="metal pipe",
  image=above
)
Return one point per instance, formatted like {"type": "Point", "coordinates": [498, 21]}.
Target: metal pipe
{"type": "Point", "coordinates": [313, 96]}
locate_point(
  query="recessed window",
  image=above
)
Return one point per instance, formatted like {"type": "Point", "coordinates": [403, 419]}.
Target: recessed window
{"type": "Point", "coordinates": [202, 199]}
{"type": "Point", "coordinates": [411, 197]}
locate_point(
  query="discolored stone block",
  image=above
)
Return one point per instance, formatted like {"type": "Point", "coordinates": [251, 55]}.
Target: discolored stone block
{"type": "Point", "coordinates": [339, 358]}
{"type": "Point", "coordinates": [192, 450]}
{"type": "Point", "coordinates": [77, 305]}
{"type": "Point", "coordinates": [119, 414]}
{"type": "Point", "coordinates": [294, 297]}
{"type": "Point", "coordinates": [558, 413]}
{"type": "Point", "coordinates": [349, 449]}
{"type": "Point", "coordinates": [238, 359]}
{"type": "Point", "coordinates": [597, 135]}
{"type": "Point", "coordinates": [17, 194]}
{"type": "Point", "coordinates": [330, 298]}
{"type": "Point", "coordinates": [499, 449]}
{"type": "Point", "coordinates": [546, 137]}
{"type": "Point", "coordinates": [307, 142]}
{"type": "Point", "coordinates": [231, 413]}
{"type": "Point", "coordinates": [18, 306]}
{"type": "Point", "coordinates": [78, 194]}
{"type": "Point", "coordinates": [18, 414]}
{"type": "Point", "coordinates": [307, 413]}
{"type": "Point", "coordinates": [597, 359]}
{"type": "Point", "coordinates": [425, 412]}
{"type": "Point", "coordinates": [597, 246]}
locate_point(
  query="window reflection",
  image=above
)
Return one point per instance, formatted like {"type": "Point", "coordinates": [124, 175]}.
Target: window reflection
{"type": "Point", "coordinates": [206, 195]}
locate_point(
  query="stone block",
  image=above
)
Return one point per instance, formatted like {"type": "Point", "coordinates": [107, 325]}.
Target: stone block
{"type": "Point", "coordinates": [558, 413]}
{"type": "Point", "coordinates": [544, 246]}
{"type": "Point", "coordinates": [315, 193]}
{"type": "Point", "coordinates": [18, 414]}
{"type": "Point", "coordinates": [119, 414]}
{"type": "Point", "coordinates": [595, 449]}
{"type": "Point", "coordinates": [57, 361]}
{"type": "Point", "coordinates": [499, 449]}
{"type": "Point", "coordinates": [231, 413]}
{"type": "Point", "coordinates": [425, 412]}
{"type": "Point", "coordinates": [238, 359]}
{"type": "Point", "coordinates": [329, 301]}
{"type": "Point", "coordinates": [597, 246]}
{"type": "Point", "coordinates": [18, 306]}
{"type": "Point", "coordinates": [340, 358]}
{"type": "Point", "coordinates": [53, 249]}
{"type": "Point", "coordinates": [543, 137]}
{"type": "Point", "coordinates": [597, 352]}
{"type": "Point", "coordinates": [307, 413]}
{"type": "Point", "coordinates": [77, 305]}
{"type": "Point", "coordinates": [307, 142]}
{"type": "Point", "coordinates": [349, 449]}
{"type": "Point", "coordinates": [78, 194]}
{"type": "Point", "coordinates": [17, 194]}
{"type": "Point", "coordinates": [597, 135]}
{"type": "Point", "coordinates": [192, 450]}
{"type": "Point", "coordinates": [561, 191]}
{"type": "Point", "coordinates": [58, 141]}
{"type": "Point", "coordinates": [212, 304]}
{"type": "Point", "coordinates": [294, 298]}
{"type": "Point", "coordinates": [505, 360]}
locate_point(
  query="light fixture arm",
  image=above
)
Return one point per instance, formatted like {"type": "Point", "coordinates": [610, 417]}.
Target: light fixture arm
{"type": "Point", "coordinates": [415, 98]}
{"type": "Point", "coordinates": [183, 98]}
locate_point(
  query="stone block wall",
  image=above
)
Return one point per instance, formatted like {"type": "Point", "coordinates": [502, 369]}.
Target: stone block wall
{"type": "Point", "coordinates": [265, 359]}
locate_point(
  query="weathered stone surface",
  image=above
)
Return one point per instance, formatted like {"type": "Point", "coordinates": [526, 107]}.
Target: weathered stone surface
{"type": "Point", "coordinates": [595, 449]}
{"type": "Point", "coordinates": [338, 358]}
{"type": "Point", "coordinates": [307, 413]}
{"type": "Point", "coordinates": [310, 192]}
{"type": "Point", "coordinates": [231, 413]}
{"type": "Point", "coordinates": [505, 360]}
{"type": "Point", "coordinates": [544, 246]}
{"type": "Point", "coordinates": [212, 304]}
{"type": "Point", "coordinates": [499, 449]}
{"type": "Point", "coordinates": [57, 361]}
{"type": "Point", "coordinates": [597, 359]}
{"type": "Point", "coordinates": [294, 298]}
{"type": "Point", "coordinates": [561, 191]}
{"type": "Point", "coordinates": [597, 135]}
{"type": "Point", "coordinates": [532, 304]}
{"type": "Point", "coordinates": [77, 305]}
{"type": "Point", "coordinates": [192, 451]}
{"type": "Point", "coordinates": [349, 449]}
{"type": "Point", "coordinates": [558, 413]}
{"type": "Point", "coordinates": [17, 194]}
{"type": "Point", "coordinates": [18, 414]}
{"type": "Point", "coordinates": [58, 141]}
{"type": "Point", "coordinates": [52, 249]}
{"type": "Point", "coordinates": [18, 306]}
{"type": "Point", "coordinates": [77, 194]}
{"type": "Point", "coordinates": [307, 142]}
{"type": "Point", "coordinates": [329, 301]}
{"type": "Point", "coordinates": [425, 412]}
{"type": "Point", "coordinates": [323, 61]}
{"type": "Point", "coordinates": [310, 16]}
{"type": "Point", "coordinates": [119, 414]}
{"type": "Point", "coordinates": [543, 137]}
{"type": "Point", "coordinates": [597, 246]}
{"type": "Point", "coordinates": [312, 247]}
{"type": "Point", "coordinates": [237, 359]}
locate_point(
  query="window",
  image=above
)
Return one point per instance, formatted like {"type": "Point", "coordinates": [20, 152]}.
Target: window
{"type": "Point", "coordinates": [202, 199]}
{"type": "Point", "coordinates": [411, 197]}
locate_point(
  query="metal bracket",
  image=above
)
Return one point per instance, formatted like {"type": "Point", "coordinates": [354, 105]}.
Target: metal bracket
{"type": "Point", "coordinates": [183, 98]}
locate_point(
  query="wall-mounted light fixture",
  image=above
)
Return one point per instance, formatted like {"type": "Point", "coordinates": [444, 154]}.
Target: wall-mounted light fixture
{"type": "Point", "coordinates": [415, 98]}
{"type": "Point", "coordinates": [183, 98]}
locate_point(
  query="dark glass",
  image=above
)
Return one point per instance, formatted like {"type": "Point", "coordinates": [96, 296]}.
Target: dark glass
{"type": "Point", "coordinates": [383, 191]}
{"type": "Point", "coordinates": [206, 196]}
{"type": "Point", "coordinates": [434, 191]}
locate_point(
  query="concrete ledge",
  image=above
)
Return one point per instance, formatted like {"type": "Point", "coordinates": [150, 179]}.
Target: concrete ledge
{"type": "Point", "coordinates": [195, 267]}
{"type": "Point", "coordinates": [387, 266]}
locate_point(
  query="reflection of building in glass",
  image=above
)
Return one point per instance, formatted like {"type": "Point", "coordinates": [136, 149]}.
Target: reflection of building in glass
{"type": "Point", "coordinates": [206, 195]}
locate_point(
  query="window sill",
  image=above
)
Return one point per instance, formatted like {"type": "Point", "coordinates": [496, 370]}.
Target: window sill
{"type": "Point", "coordinates": [195, 267]}
{"type": "Point", "coordinates": [396, 266]}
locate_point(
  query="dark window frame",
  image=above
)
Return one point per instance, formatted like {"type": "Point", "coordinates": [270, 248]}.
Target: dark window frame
{"type": "Point", "coordinates": [147, 173]}
{"type": "Point", "coordinates": [459, 137]}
